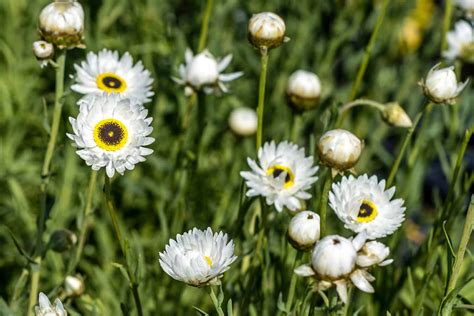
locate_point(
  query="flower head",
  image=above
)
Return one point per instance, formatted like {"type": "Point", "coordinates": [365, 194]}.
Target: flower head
{"type": "Point", "coordinates": [339, 149]}
{"type": "Point", "coordinates": [198, 257]}
{"type": "Point", "coordinates": [105, 72]}
{"type": "Point", "coordinates": [243, 121]}
{"type": "Point", "coordinates": [62, 23]}
{"type": "Point", "coordinates": [282, 176]}
{"type": "Point", "coordinates": [373, 253]}
{"type": "Point", "coordinates": [304, 230]}
{"type": "Point", "coordinates": [467, 6]}
{"type": "Point", "coordinates": [202, 72]}
{"type": "Point", "coordinates": [111, 132]}
{"type": "Point", "coordinates": [266, 30]}
{"type": "Point", "coordinates": [43, 51]}
{"type": "Point", "coordinates": [441, 85]}
{"type": "Point", "coordinates": [45, 308]}
{"type": "Point", "coordinates": [395, 115]}
{"type": "Point", "coordinates": [461, 42]}
{"type": "Point", "coordinates": [73, 286]}
{"type": "Point", "coordinates": [363, 205]}
{"type": "Point", "coordinates": [303, 90]}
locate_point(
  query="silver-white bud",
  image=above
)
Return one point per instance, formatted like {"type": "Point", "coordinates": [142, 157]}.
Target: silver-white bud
{"type": "Point", "coordinates": [304, 230]}
{"type": "Point", "coordinates": [339, 149]}
{"type": "Point", "coordinates": [303, 90]}
{"type": "Point", "coordinates": [266, 30]}
{"type": "Point", "coordinates": [373, 253]}
{"type": "Point", "coordinates": [395, 115]}
{"type": "Point", "coordinates": [202, 70]}
{"type": "Point", "coordinates": [334, 257]}
{"type": "Point", "coordinates": [73, 286]}
{"type": "Point", "coordinates": [441, 85]}
{"type": "Point", "coordinates": [243, 121]}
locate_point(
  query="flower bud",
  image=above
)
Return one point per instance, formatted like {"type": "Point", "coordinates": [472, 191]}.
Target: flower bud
{"type": "Point", "coordinates": [43, 51]}
{"type": "Point", "coordinates": [334, 257]}
{"type": "Point", "coordinates": [339, 149]}
{"type": "Point", "coordinates": [441, 86]}
{"type": "Point", "coordinates": [266, 30]}
{"type": "Point", "coordinates": [373, 253]}
{"type": "Point", "coordinates": [303, 90]}
{"type": "Point", "coordinates": [62, 23]}
{"type": "Point", "coordinates": [62, 240]}
{"type": "Point", "coordinates": [202, 70]}
{"type": "Point", "coordinates": [243, 121]}
{"type": "Point", "coordinates": [73, 286]}
{"type": "Point", "coordinates": [304, 230]}
{"type": "Point", "coordinates": [395, 115]}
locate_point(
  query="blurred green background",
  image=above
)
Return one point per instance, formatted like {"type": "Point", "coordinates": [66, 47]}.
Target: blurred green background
{"type": "Point", "coordinates": [163, 197]}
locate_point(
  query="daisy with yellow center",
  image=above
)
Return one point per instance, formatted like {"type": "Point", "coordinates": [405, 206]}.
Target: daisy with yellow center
{"type": "Point", "coordinates": [282, 175]}
{"type": "Point", "coordinates": [106, 72]}
{"type": "Point", "coordinates": [111, 132]}
{"type": "Point", "coordinates": [197, 257]}
{"type": "Point", "coordinates": [364, 205]}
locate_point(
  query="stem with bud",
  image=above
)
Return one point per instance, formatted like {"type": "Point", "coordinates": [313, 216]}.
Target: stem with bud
{"type": "Point", "coordinates": [261, 94]}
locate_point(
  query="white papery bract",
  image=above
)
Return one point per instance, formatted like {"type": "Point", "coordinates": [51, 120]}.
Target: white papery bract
{"type": "Point", "coordinates": [283, 175]}
{"type": "Point", "coordinates": [46, 309]}
{"type": "Point", "coordinates": [111, 132]}
{"type": "Point", "coordinates": [460, 42]}
{"type": "Point", "coordinates": [339, 149]}
{"type": "Point", "coordinates": [373, 253]}
{"type": "Point", "coordinates": [441, 85]}
{"type": "Point", "coordinates": [304, 230]}
{"type": "Point", "coordinates": [198, 257]}
{"type": "Point", "coordinates": [266, 30]}
{"type": "Point", "coordinates": [203, 72]}
{"type": "Point", "coordinates": [107, 72]}
{"type": "Point", "coordinates": [43, 51]}
{"type": "Point", "coordinates": [363, 205]}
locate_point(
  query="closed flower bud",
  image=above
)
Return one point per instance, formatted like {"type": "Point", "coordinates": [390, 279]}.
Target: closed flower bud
{"type": "Point", "coordinates": [43, 51]}
{"type": "Point", "coordinates": [395, 115]}
{"type": "Point", "coordinates": [243, 121]}
{"type": "Point", "coordinates": [441, 85]}
{"type": "Point", "coordinates": [62, 23]}
{"type": "Point", "coordinates": [266, 30]}
{"type": "Point", "coordinates": [334, 257]}
{"type": "Point", "coordinates": [62, 240]}
{"type": "Point", "coordinates": [73, 286]}
{"type": "Point", "coordinates": [373, 253]}
{"type": "Point", "coordinates": [203, 70]}
{"type": "Point", "coordinates": [303, 90]}
{"type": "Point", "coordinates": [339, 149]}
{"type": "Point", "coordinates": [304, 230]}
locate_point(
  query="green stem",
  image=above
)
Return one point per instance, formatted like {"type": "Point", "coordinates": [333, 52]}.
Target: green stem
{"type": "Point", "coordinates": [324, 204]}
{"type": "Point", "coordinates": [205, 25]}
{"type": "Point", "coordinates": [405, 143]}
{"type": "Point", "coordinates": [118, 235]}
{"type": "Point", "coordinates": [466, 234]}
{"type": "Point", "coordinates": [368, 51]}
{"type": "Point", "coordinates": [45, 173]}
{"type": "Point", "coordinates": [261, 95]}
{"type": "Point", "coordinates": [348, 304]}
{"type": "Point", "coordinates": [295, 127]}
{"type": "Point", "coordinates": [420, 139]}
{"type": "Point", "coordinates": [215, 301]}
{"type": "Point", "coordinates": [344, 110]}
{"type": "Point", "coordinates": [294, 278]}
{"type": "Point", "coordinates": [446, 22]}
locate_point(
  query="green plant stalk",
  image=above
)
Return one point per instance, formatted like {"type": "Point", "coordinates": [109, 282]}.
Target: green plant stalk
{"type": "Point", "coordinates": [118, 234]}
{"type": "Point", "coordinates": [343, 111]}
{"type": "Point", "coordinates": [446, 22]}
{"type": "Point", "coordinates": [419, 140]}
{"type": "Point", "coordinates": [368, 51]}
{"type": "Point", "coordinates": [405, 143]}
{"type": "Point", "coordinates": [215, 301]}
{"type": "Point", "coordinates": [205, 26]}
{"type": "Point", "coordinates": [295, 127]}
{"type": "Point", "coordinates": [294, 278]}
{"type": "Point", "coordinates": [261, 95]}
{"type": "Point", "coordinates": [348, 304]}
{"type": "Point", "coordinates": [324, 203]}
{"type": "Point", "coordinates": [466, 234]}
{"type": "Point", "coordinates": [45, 170]}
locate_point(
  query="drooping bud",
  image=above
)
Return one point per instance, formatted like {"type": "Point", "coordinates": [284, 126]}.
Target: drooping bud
{"type": "Point", "coordinates": [334, 257]}
{"type": "Point", "coordinates": [62, 23]}
{"type": "Point", "coordinates": [266, 30]}
{"type": "Point", "coordinates": [303, 90]}
{"type": "Point", "coordinates": [339, 149]}
{"type": "Point", "coordinates": [395, 115]}
{"type": "Point", "coordinates": [73, 286]}
{"type": "Point", "coordinates": [62, 240]}
{"type": "Point", "coordinates": [43, 51]}
{"type": "Point", "coordinates": [243, 121]}
{"type": "Point", "coordinates": [304, 230]}
{"type": "Point", "coordinates": [441, 85]}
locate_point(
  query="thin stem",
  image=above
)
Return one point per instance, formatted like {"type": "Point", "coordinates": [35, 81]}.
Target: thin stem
{"type": "Point", "coordinates": [446, 22]}
{"type": "Point", "coordinates": [324, 204]}
{"type": "Point", "coordinates": [261, 95]}
{"type": "Point", "coordinates": [294, 278]}
{"type": "Point", "coordinates": [45, 173]}
{"type": "Point", "coordinates": [466, 234]}
{"type": "Point", "coordinates": [420, 139]}
{"type": "Point", "coordinates": [343, 111]}
{"type": "Point", "coordinates": [368, 51]}
{"type": "Point", "coordinates": [348, 304]}
{"type": "Point", "coordinates": [295, 127]}
{"type": "Point", "coordinates": [118, 235]}
{"type": "Point", "coordinates": [215, 301]}
{"type": "Point", "coordinates": [205, 25]}
{"type": "Point", "coordinates": [405, 143]}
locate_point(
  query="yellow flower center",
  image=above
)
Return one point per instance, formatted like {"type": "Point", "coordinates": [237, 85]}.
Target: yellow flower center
{"type": "Point", "coordinates": [276, 170]}
{"type": "Point", "coordinates": [110, 82]}
{"type": "Point", "coordinates": [367, 212]}
{"type": "Point", "coordinates": [110, 134]}
{"type": "Point", "coordinates": [208, 261]}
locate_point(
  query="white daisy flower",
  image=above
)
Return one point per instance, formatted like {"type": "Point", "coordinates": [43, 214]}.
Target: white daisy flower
{"type": "Point", "coordinates": [203, 73]}
{"type": "Point", "coordinates": [282, 176]}
{"type": "Point", "coordinates": [198, 257]}
{"type": "Point", "coordinates": [106, 72]}
{"type": "Point", "coordinates": [460, 42]}
{"type": "Point", "coordinates": [45, 308]}
{"type": "Point", "coordinates": [364, 205]}
{"type": "Point", "coordinates": [111, 132]}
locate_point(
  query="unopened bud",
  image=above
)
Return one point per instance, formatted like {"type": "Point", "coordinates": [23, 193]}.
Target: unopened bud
{"type": "Point", "coordinates": [73, 286]}
{"type": "Point", "coordinates": [243, 121]}
{"type": "Point", "coordinates": [304, 230]}
{"type": "Point", "coordinates": [334, 257]}
{"type": "Point", "coordinates": [62, 240]}
{"type": "Point", "coordinates": [303, 90]}
{"type": "Point", "coordinates": [266, 30]}
{"type": "Point", "coordinates": [441, 85]}
{"type": "Point", "coordinates": [395, 115]}
{"type": "Point", "coordinates": [43, 51]}
{"type": "Point", "coordinates": [339, 149]}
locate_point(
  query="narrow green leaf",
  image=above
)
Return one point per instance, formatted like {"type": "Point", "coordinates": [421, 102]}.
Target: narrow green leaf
{"type": "Point", "coordinates": [19, 248]}
{"type": "Point", "coordinates": [449, 301]}
{"type": "Point", "coordinates": [200, 311]}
